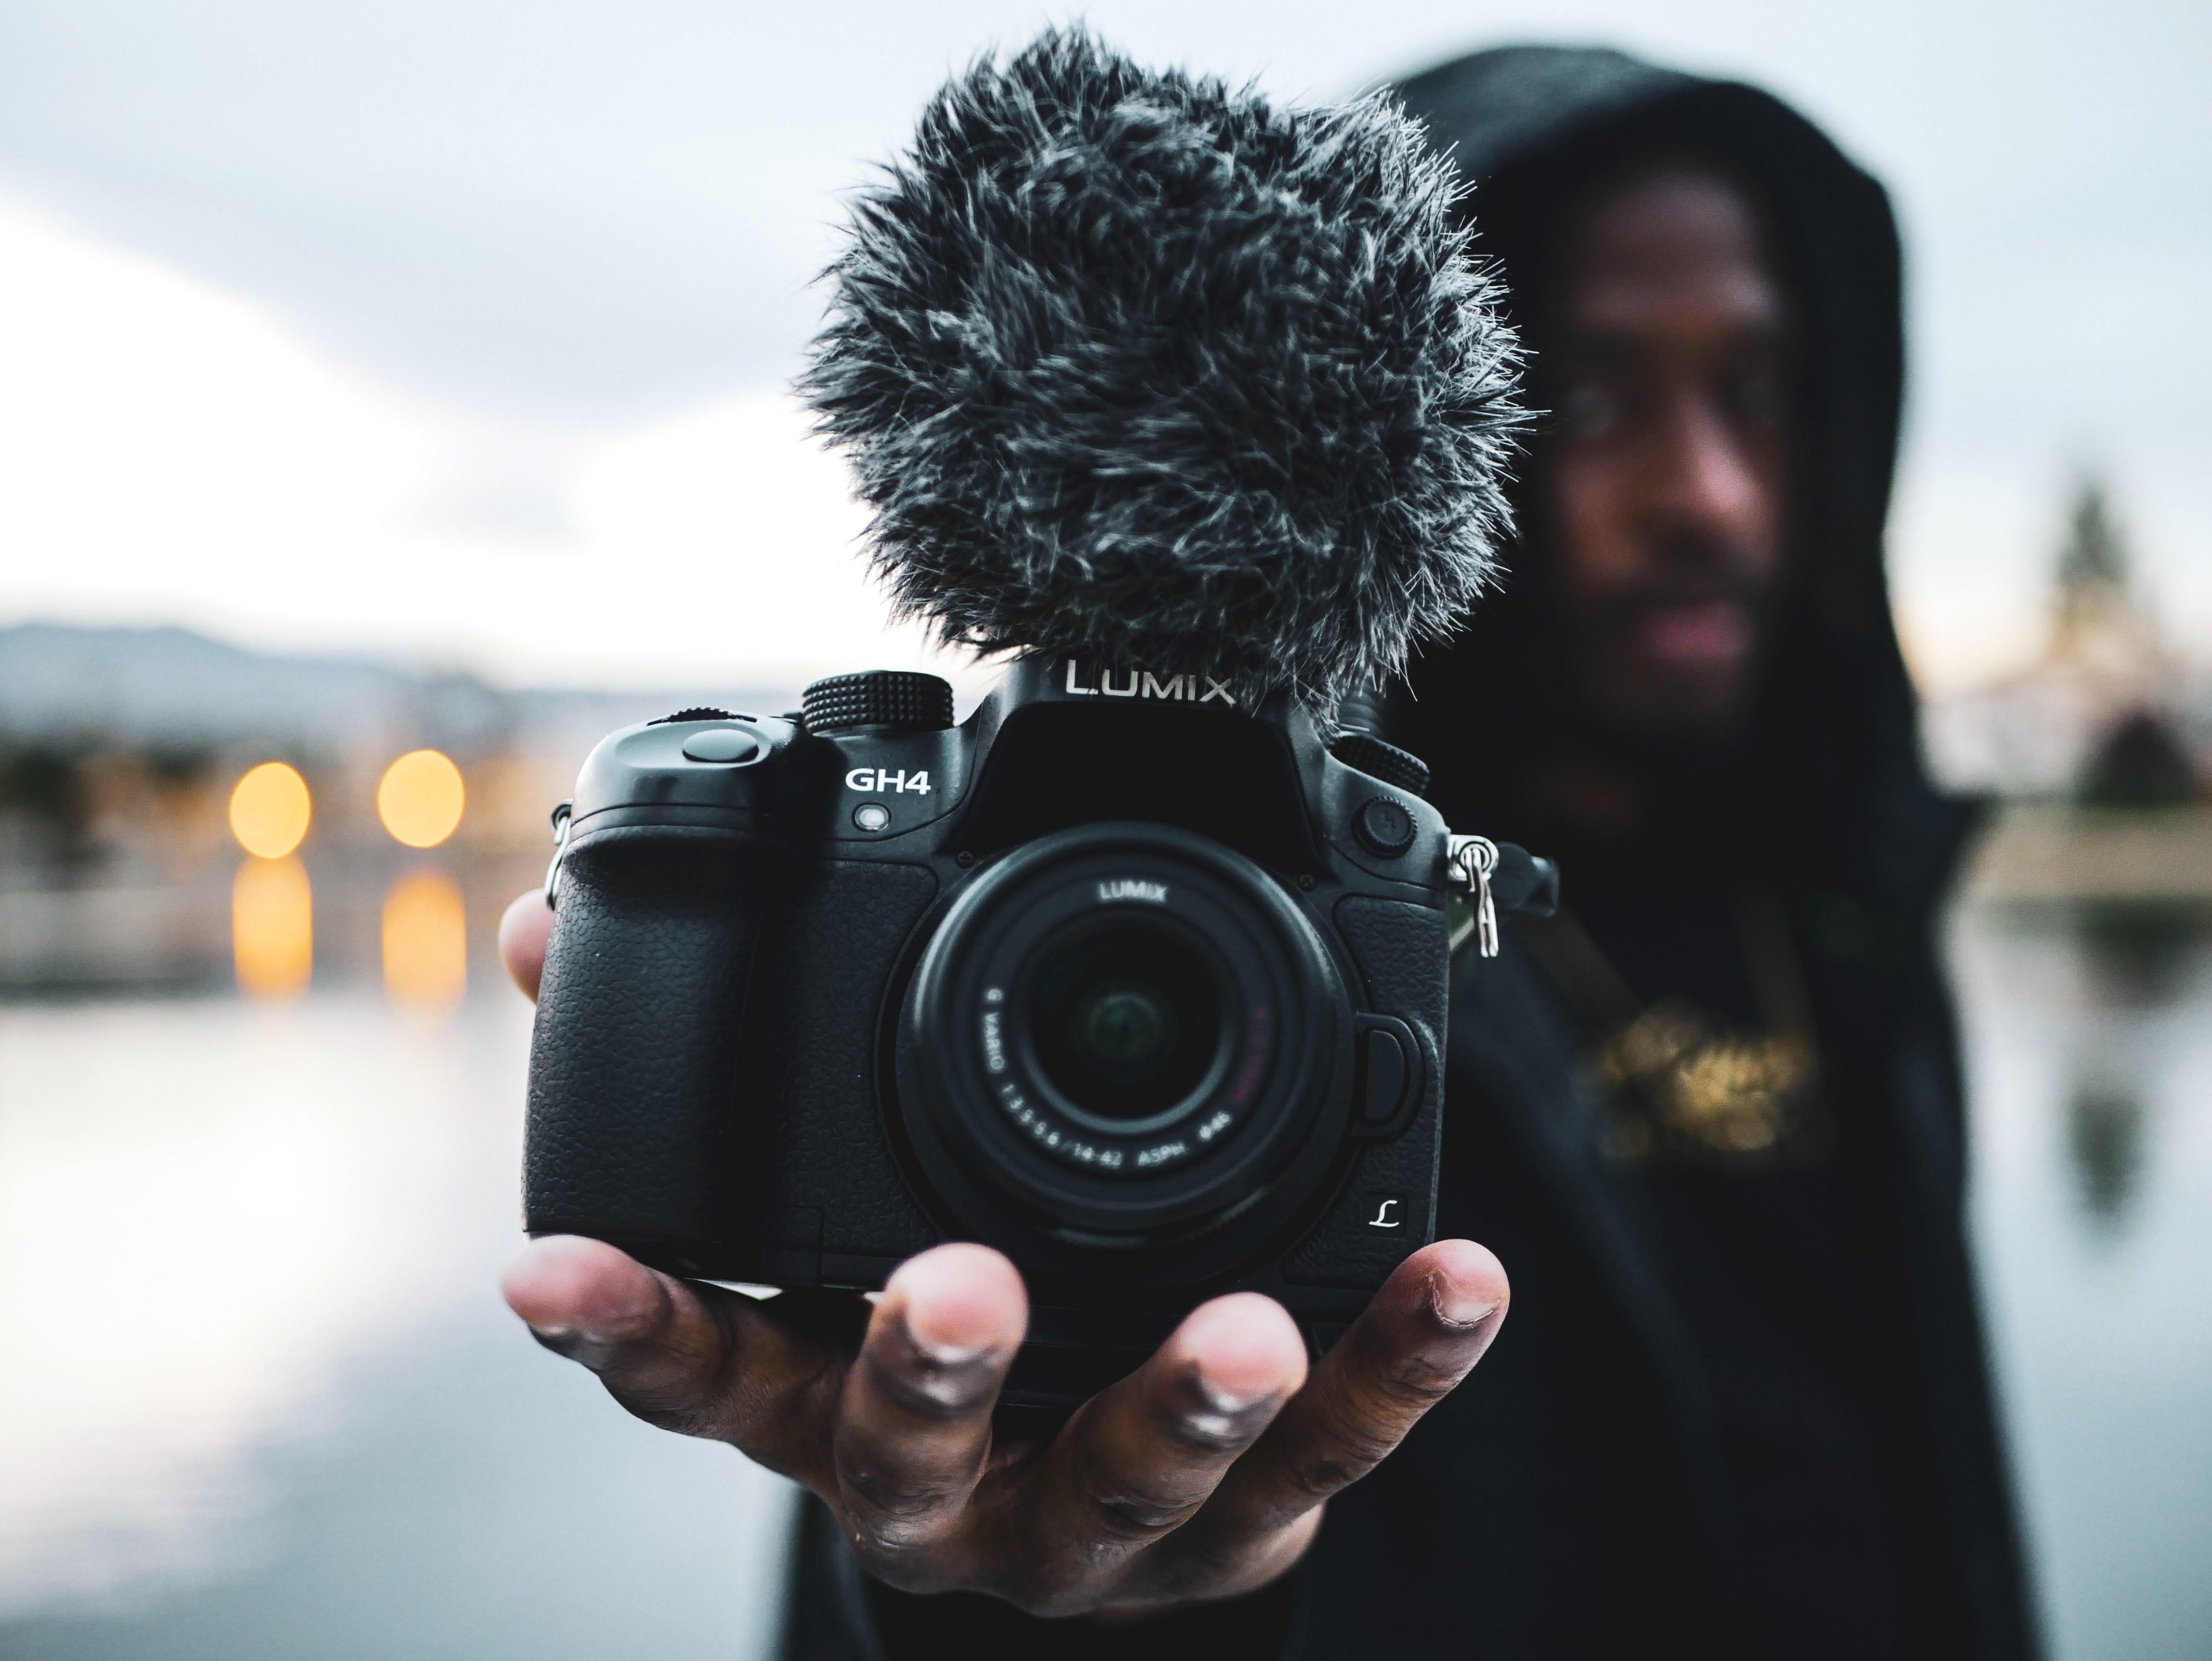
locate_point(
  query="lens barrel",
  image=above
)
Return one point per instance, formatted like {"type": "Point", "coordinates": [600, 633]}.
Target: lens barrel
{"type": "Point", "coordinates": [1122, 1031]}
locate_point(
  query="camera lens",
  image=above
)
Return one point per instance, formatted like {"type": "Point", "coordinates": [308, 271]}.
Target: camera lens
{"type": "Point", "coordinates": [1122, 1032]}
{"type": "Point", "coordinates": [1125, 1022]}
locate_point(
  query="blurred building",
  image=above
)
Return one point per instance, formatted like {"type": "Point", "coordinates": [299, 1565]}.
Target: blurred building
{"type": "Point", "coordinates": [120, 866]}
{"type": "Point", "coordinates": [2108, 713]}
{"type": "Point", "coordinates": [2102, 751]}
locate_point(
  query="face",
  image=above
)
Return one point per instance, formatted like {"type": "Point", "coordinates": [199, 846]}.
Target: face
{"type": "Point", "coordinates": [1668, 369]}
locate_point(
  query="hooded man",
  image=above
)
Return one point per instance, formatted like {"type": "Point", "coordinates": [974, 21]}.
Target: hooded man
{"type": "Point", "coordinates": [1711, 1119]}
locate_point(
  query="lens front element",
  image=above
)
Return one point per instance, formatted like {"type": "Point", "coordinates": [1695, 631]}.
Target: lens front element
{"type": "Point", "coordinates": [1125, 1022]}
{"type": "Point", "coordinates": [1123, 1031]}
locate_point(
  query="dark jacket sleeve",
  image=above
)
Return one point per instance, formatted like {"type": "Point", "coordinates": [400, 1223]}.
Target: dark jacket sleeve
{"type": "Point", "coordinates": [835, 1612]}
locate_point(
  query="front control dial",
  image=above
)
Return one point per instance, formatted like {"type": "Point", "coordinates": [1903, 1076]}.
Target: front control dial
{"type": "Point", "coordinates": [1384, 827]}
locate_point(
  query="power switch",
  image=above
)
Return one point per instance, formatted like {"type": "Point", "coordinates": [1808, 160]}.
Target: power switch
{"type": "Point", "coordinates": [1384, 1090]}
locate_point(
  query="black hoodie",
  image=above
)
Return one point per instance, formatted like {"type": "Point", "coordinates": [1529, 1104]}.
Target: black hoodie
{"type": "Point", "coordinates": [1731, 1414]}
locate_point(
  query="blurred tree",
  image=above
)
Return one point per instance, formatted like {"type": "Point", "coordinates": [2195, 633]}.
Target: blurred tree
{"type": "Point", "coordinates": [2095, 622]}
{"type": "Point", "coordinates": [42, 787]}
{"type": "Point", "coordinates": [174, 766]}
{"type": "Point", "coordinates": [2095, 557]}
{"type": "Point", "coordinates": [2141, 762]}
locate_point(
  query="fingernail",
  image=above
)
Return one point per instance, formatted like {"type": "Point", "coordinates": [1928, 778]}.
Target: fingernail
{"type": "Point", "coordinates": [1221, 1400]}
{"type": "Point", "coordinates": [936, 1352]}
{"type": "Point", "coordinates": [1456, 1308]}
{"type": "Point", "coordinates": [575, 1334]}
{"type": "Point", "coordinates": [951, 1377]}
{"type": "Point", "coordinates": [1224, 1418]}
{"type": "Point", "coordinates": [586, 1349]}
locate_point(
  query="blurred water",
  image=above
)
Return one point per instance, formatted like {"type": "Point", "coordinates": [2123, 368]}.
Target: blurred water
{"type": "Point", "coordinates": [2090, 1045]}
{"type": "Point", "coordinates": [260, 1397]}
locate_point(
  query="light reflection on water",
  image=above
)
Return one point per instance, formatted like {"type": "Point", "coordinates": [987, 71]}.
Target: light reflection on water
{"type": "Point", "coordinates": [262, 1399]}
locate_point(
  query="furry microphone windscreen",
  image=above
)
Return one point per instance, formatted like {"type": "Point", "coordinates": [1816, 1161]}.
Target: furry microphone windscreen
{"type": "Point", "coordinates": [1136, 366]}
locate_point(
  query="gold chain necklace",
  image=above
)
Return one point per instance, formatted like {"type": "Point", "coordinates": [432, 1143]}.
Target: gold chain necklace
{"type": "Point", "coordinates": [1683, 1085]}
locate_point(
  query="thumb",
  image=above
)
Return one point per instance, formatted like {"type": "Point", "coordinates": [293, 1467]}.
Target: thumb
{"type": "Point", "coordinates": [523, 933]}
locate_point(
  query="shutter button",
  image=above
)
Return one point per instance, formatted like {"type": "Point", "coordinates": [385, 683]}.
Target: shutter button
{"type": "Point", "coordinates": [725, 744]}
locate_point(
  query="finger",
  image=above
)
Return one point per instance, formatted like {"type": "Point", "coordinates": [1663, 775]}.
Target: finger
{"type": "Point", "coordinates": [688, 1358]}
{"type": "Point", "coordinates": [1421, 1335]}
{"type": "Point", "coordinates": [915, 1427]}
{"type": "Point", "coordinates": [1140, 1459]}
{"type": "Point", "coordinates": [524, 928]}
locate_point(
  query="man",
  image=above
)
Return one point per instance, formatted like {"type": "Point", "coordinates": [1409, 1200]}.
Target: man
{"type": "Point", "coordinates": [1710, 1119]}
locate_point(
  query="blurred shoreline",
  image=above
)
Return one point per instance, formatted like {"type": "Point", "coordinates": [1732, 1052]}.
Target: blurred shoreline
{"type": "Point", "coordinates": [120, 875]}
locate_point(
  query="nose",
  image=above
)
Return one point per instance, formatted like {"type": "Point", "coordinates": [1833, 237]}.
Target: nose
{"type": "Point", "coordinates": [1703, 487]}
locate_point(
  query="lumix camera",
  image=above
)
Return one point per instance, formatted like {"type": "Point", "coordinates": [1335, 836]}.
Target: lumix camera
{"type": "Point", "coordinates": [1140, 985]}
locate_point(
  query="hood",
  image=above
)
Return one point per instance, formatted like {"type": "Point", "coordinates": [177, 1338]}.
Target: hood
{"type": "Point", "coordinates": [1827, 791]}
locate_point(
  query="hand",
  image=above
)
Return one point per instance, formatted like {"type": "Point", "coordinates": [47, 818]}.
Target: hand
{"type": "Point", "coordinates": [1201, 1476]}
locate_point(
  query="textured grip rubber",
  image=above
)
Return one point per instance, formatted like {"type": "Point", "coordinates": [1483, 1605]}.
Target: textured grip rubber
{"type": "Point", "coordinates": [631, 1134]}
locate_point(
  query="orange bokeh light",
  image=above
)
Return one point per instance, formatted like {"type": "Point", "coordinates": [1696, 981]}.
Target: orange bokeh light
{"type": "Point", "coordinates": [269, 809]}
{"type": "Point", "coordinates": [420, 798]}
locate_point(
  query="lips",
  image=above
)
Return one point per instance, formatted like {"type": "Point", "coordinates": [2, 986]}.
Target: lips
{"type": "Point", "coordinates": [1695, 634]}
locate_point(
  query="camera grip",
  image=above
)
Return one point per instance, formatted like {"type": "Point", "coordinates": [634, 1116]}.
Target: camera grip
{"type": "Point", "coordinates": [630, 1135]}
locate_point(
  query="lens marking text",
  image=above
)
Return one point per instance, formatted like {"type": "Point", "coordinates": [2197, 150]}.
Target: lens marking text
{"type": "Point", "coordinates": [1132, 888]}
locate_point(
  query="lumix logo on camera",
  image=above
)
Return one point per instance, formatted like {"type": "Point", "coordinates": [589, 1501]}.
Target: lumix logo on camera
{"type": "Point", "coordinates": [1184, 688]}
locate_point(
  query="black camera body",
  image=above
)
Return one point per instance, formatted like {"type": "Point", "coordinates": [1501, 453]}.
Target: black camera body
{"type": "Point", "coordinates": [1143, 987]}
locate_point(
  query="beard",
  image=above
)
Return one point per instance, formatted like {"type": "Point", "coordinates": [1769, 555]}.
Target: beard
{"type": "Point", "coordinates": [1667, 668]}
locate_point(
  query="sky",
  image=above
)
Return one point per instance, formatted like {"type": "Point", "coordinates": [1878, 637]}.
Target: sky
{"type": "Point", "coordinates": [460, 331]}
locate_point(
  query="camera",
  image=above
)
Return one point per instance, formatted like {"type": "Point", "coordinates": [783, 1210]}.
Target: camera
{"type": "Point", "coordinates": [1126, 976]}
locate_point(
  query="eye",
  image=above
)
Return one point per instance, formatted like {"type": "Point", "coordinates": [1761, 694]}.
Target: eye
{"type": "Point", "coordinates": [1758, 401]}
{"type": "Point", "coordinates": [1587, 410]}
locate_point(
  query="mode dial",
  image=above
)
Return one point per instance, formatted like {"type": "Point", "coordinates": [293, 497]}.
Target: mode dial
{"type": "Point", "coordinates": [898, 700]}
{"type": "Point", "coordinates": [1367, 754]}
